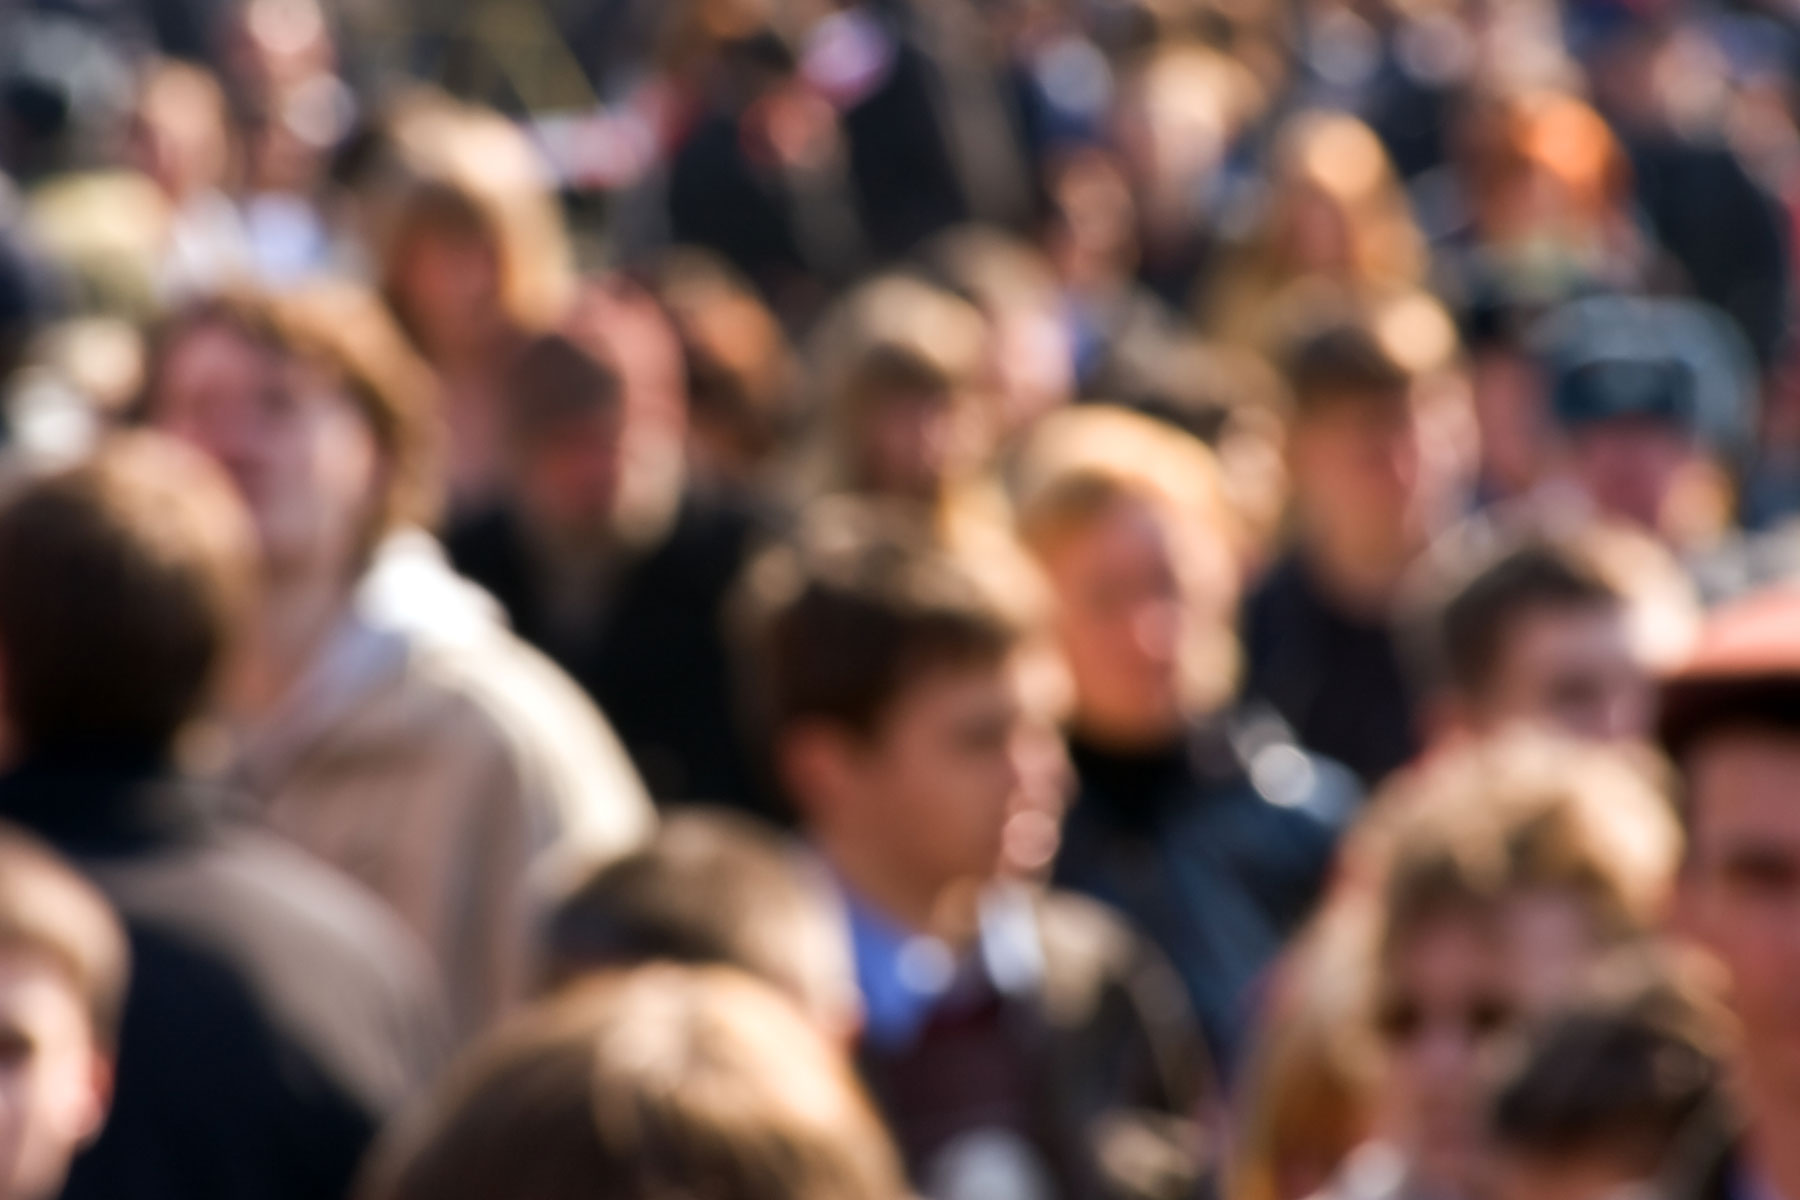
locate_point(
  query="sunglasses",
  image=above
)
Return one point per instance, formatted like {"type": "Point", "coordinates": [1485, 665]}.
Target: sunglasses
{"type": "Point", "coordinates": [1402, 1020]}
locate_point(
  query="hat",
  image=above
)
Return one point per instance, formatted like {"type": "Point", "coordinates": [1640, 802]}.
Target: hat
{"type": "Point", "coordinates": [1744, 670]}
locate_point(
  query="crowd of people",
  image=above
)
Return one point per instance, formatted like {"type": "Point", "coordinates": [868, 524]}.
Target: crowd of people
{"type": "Point", "coordinates": [866, 599]}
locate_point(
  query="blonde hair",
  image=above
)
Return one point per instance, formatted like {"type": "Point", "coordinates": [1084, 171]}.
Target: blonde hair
{"type": "Point", "coordinates": [1079, 464]}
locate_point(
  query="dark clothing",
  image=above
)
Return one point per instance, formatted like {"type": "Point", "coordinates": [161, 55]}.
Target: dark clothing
{"type": "Point", "coordinates": [1216, 848]}
{"type": "Point", "coordinates": [656, 660]}
{"type": "Point", "coordinates": [276, 1016]}
{"type": "Point", "coordinates": [1335, 677]}
{"type": "Point", "coordinates": [1094, 1042]}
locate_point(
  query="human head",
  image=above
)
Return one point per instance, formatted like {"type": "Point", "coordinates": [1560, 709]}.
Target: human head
{"type": "Point", "coordinates": [141, 573]}
{"type": "Point", "coordinates": [564, 428]}
{"type": "Point", "coordinates": [1731, 722]}
{"type": "Point", "coordinates": [1337, 206]}
{"type": "Point", "coordinates": [900, 370]}
{"type": "Point", "coordinates": [891, 696]}
{"type": "Point", "coordinates": [1504, 871]}
{"type": "Point", "coordinates": [1378, 449]}
{"type": "Point", "coordinates": [1129, 521]}
{"type": "Point", "coordinates": [667, 1080]}
{"type": "Point", "coordinates": [1610, 1093]}
{"type": "Point", "coordinates": [1540, 635]}
{"type": "Point", "coordinates": [315, 408]}
{"type": "Point", "coordinates": [63, 962]}
{"type": "Point", "coordinates": [713, 887]}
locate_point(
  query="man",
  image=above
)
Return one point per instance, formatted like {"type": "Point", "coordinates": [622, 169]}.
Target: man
{"type": "Point", "coordinates": [1731, 722]}
{"type": "Point", "coordinates": [277, 1015]}
{"type": "Point", "coordinates": [1376, 472]}
{"type": "Point", "coordinates": [62, 984]}
{"type": "Point", "coordinates": [1020, 1044]}
{"type": "Point", "coordinates": [1539, 635]}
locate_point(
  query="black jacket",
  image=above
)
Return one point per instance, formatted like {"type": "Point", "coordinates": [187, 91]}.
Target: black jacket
{"type": "Point", "coordinates": [276, 1015]}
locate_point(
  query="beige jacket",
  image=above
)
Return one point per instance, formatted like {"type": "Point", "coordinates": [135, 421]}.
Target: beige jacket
{"type": "Point", "coordinates": [440, 760]}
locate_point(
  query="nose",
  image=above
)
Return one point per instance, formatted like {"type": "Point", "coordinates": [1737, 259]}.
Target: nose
{"type": "Point", "coordinates": [1156, 630]}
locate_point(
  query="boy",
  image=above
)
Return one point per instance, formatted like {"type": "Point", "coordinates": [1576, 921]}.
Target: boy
{"type": "Point", "coordinates": [1016, 1041]}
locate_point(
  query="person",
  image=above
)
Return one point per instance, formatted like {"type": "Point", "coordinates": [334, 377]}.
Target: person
{"type": "Point", "coordinates": [1540, 635]}
{"type": "Point", "coordinates": [1612, 1093]}
{"type": "Point", "coordinates": [1729, 724]}
{"type": "Point", "coordinates": [1019, 1043]}
{"type": "Point", "coordinates": [713, 887]}
{"type": "Point", "coordinates": [1500, 875]}
{"type": "Point", "coordinates": [1207, 827]}
{"type": "Point", "coordinates": [277, 1014]}
{"type": "Point", "coordinates": [1377, 460]}
{"type": "Point", "coordinates": [63, 968]}
{"type": "Point", "coordinates": [608, 557]}
{"type": "Point", "coordinates": [664, 1081]}
{"type": "Point", "coordinates": [436, 765]}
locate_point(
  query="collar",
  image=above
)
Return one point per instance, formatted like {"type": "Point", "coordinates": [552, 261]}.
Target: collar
{"type": "Point", "coordinates": [100, 800]}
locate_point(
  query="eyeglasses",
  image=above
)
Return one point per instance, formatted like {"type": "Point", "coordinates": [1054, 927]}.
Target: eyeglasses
{"type": "Point", "coordinates": [1402, 1020]}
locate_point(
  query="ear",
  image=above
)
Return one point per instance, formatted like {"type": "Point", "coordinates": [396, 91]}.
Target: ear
{"type": "Point", "coordinates": [817, 762]}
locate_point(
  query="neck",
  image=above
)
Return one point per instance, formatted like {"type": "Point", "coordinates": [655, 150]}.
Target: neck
{"type": "Point", "coordinates": [1362, 573]}
{"type": "Point", "coordinates": [948, 910]}
{"type": "Point", "coordinates": [299, 613]}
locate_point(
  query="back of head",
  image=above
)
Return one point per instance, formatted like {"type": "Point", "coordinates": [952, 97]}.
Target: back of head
{"type": "Point", "coordinates": [662, 1082]}
{"type": "Point", "coordinates": [713, 887]}
{"type": "Point", "coordinates": [140, 564]}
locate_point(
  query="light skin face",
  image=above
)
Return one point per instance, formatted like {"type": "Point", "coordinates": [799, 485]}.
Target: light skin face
{"type": "Point", "coordinates": [451, 286]}
{"type": "Point", "coordinates": [917, 441]}
{"type": "Point", "coordinates": [1572, 669]}
{"type": "Point", "coordinates": [1125, 609]}
{"type": "Point", "coordinates": [915, 812]}
{"type": "Point", "coordinates": [1740, 897]}
{"type": "Point", "coordinates": [54, 1082]}
{"type": "Point", "coordinates": [1629, 467]}
{"type": "Point", "coordinates": [300, 453]}
{"type": "Point", "coordinates": [570, 481]}
{"type": "Point", "coordinates": [1446, 996]}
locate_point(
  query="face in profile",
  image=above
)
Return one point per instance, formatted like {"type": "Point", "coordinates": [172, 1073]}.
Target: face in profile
{"type": "Point", "coordinates": [53, 1079]}
{"type": "Point", "coordinates": [1573, 669]}
{"type": "Point", "coordinates": [293, 442]}
{"type": "Point", "coordinates": [1740, 894]}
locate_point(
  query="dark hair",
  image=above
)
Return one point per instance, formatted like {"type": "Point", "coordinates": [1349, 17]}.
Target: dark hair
{"type": "Point", "coordinates": [1478, 621]}
{"type": "Point", "coordinates": [713, 888]}
{"type": "Point", "coordinates": [661, 1082]}
{"type": "Point", "coordinates": [1344, 361]}
{"type": "Point", "coordinates": [552, 381]}
{"type": "Point", "coordinates": [1625, 1077]}
{"type": "Point", "coordinates": [136, 569]}
{"type": "Point", "coordinates": [859, 604]}
{"type": "Point", "coordinates": [47, 908]}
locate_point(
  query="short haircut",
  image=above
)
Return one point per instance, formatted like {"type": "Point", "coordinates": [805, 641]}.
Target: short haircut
{"type": "Point", "coordinates": [861, 603]}
{"type": "Point", "coordinates": [347, 331]}
{"type": "Point", "coordinates": [134, 573]}
{"type": "Point", "coordinates": [46, 908]}
{"type": "Point", "coordinates": [665, 1081]}
{"type": "Point", "coordinates": [1521, 812]}
{"type": "Point", "coordinates": [1345, 360]}
{"type": "Point", "coordinates": [712, 888]}
{"type": "Point", "coordinates": [551, 382]}
{"type": "Point", "coordinates": [1632, 1078]}
{"type": "Point", "coordinates": [1477, 621]}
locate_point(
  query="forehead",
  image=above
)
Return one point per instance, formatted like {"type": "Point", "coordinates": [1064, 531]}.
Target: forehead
{"type": "Point", "coordinates": [1744, 787]}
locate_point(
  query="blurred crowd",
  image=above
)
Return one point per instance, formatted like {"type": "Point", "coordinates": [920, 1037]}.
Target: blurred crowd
{"type": "Point", "coordinates": [866, 599]}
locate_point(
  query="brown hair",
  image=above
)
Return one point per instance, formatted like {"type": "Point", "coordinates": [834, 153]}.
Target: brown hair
{"type": "Point", "coordinates": [665, 1081]}
{"type": "Point", "coordinates": [137, 567]}
{"type": "Point", "coordinates": [346, 330]}
{"type": "Point", "coordinates": [713, 887]}
{"type": "Point", "coordinates": [47, 908]}
{"type": "Point", "coordinates": [857, 605]}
